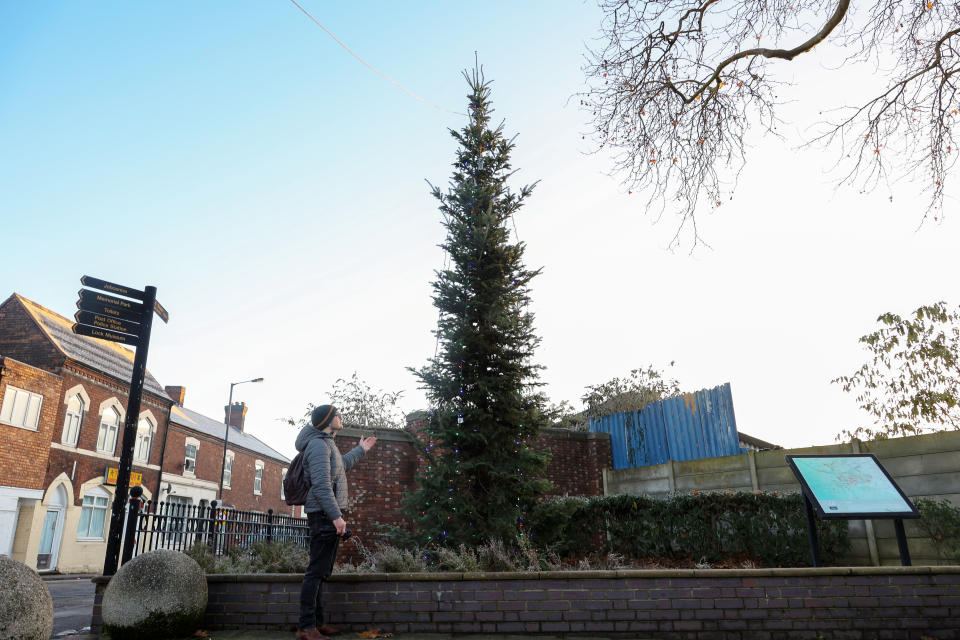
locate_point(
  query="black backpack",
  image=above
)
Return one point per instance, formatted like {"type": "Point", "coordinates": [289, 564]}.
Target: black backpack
{"type": "Point", "coordinates": [296, 486]}
{"type": "Point", "coordinates": [295, 483]}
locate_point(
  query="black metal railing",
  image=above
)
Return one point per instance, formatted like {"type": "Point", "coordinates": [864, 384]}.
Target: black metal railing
{"type": "Point", "coordinates": [170, 525]}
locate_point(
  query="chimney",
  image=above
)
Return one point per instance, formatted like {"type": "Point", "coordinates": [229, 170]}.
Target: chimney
{"type": "Point", "coordinates": [235, 418]}
{"type": "Point", "coordinates": [176, 394]}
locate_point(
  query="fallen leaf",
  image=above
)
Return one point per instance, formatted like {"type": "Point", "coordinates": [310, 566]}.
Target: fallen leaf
{"type": "Point", "coordinates": [200, 633]}
{"type": "Point", "coordinates": [374, 633]}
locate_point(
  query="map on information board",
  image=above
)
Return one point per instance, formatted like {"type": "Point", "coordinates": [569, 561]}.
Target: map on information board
{"type": "Point", "coordinates": [852, 485]}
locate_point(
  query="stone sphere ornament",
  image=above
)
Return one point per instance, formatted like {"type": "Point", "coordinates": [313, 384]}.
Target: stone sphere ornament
{"type": "Point", "coordinates": [160, 594]}
{"type": "Point", "coordinates": [26, 608]}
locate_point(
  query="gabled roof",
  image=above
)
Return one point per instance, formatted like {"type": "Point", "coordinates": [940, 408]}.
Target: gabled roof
{"type": "Point", "coordinates": [211, 427]}
{"type": "Point", "coordinates": [101, 355]}
{"type": "Point", "coordinates": [762, 445]}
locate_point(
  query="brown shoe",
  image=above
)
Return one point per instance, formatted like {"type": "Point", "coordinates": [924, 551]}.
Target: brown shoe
{"type": "Point", "coordinates": [310, 633]}
{"type": "Point", "coordinates": [329, 630]}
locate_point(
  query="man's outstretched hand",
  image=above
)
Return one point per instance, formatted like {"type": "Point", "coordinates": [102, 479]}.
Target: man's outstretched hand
{"type": "Point", "coordinates": [367, 443]}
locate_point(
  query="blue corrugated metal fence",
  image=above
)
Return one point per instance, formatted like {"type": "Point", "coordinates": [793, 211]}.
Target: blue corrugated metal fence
{"type": "Point", "coordinates": [694, 425]}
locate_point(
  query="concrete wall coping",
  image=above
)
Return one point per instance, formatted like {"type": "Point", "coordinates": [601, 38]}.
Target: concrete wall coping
{"type": "Point", "coordinates": [356, 431]}
{"type": "Point", "coordinates": [586, 575]}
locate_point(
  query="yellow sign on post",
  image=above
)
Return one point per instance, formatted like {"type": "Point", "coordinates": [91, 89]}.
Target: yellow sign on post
{"type": "Point", "coordinates": [136, 479]}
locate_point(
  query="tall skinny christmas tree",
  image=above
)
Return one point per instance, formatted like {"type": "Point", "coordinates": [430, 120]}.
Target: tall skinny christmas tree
{"type": "Point", "coordinates": [482, 473]}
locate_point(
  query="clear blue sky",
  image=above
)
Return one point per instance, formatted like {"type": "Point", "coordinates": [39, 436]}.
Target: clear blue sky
{"type": "Point", "coordinates": [272, 188]}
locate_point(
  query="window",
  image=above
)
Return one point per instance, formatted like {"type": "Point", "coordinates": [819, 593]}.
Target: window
{"type": "Point", "coordinates": [142, 452]}
{"type": "Point", "coordinates": [21, 408]}
{"type": "Point", "coordinates": [93, 515]}
{"type": "Point", "coordinates": [227, 470]}
{"type": "Point", "coordinates": [190, 459]}
{"type": "Point", "coordinates": [71, 423]}
{"type": "Point", "coordinates": [144, 438]}
{"type": "Point", "coordinates": [258, 477]}
{"type": "Point", "coordinates": [283, 476]}
{"type": "Point", "coordinates": [109, 426]}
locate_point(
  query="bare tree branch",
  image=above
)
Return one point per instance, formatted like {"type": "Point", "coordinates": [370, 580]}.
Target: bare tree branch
{"type": "Point", "coordinates": [673, 90]}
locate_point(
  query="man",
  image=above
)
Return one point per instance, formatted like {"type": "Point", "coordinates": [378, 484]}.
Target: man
{"type": "Point", "coordinates": [326, 500]}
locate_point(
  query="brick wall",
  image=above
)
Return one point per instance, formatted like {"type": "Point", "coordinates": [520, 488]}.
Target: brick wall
{"type": "Point", "coordinates": [382, 477]}
{"type": "Point", "coordinates": [23, 453]}
{"type": "Point", "coordinates": [210, 461]}
{"type": "Point", "coordinates": [767, 604]}
{"type": "Point", "coordinates": [90, 465]}
{"type": "Point", "coordinates": [240, 494]}
{"type": "Point", "coordinates": [377, 483]}
{"type": "Point", "coordinates": [22, 340]}
{"type": "Point", "coordinates": [209, 453]}
{"type": "Point", "coordinates": [577, 461]}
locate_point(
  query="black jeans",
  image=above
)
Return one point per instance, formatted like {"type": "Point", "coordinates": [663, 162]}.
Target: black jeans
{"type": "Point", "coordinates": [324, 542]}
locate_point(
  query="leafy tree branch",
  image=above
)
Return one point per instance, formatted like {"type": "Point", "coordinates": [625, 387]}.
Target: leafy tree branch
{"type": "Point", "coordinates": [911, 382]}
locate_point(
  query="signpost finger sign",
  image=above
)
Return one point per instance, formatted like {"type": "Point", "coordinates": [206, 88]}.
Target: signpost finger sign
{"type": "Point", "coordinates": [108, 316]}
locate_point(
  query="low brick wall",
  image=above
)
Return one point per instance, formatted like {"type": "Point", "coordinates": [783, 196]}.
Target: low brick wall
{"type": "Point", "coordinates": [845, 602]}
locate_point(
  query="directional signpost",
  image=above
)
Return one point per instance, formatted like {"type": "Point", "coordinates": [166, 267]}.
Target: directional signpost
{"type": "Point", "coordinates": [126, 320]}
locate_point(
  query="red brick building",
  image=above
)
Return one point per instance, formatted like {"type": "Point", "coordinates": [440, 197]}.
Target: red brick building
{"type": "Point", "coordinates": [28, 421]}
{"type": "Point", "coordinates": [253, 472]}
{"type": "Point", "coordinates": [62, 414]}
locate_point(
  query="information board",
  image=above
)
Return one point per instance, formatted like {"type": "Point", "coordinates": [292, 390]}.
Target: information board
{"type": "Point", "coordinates": [850, 486]}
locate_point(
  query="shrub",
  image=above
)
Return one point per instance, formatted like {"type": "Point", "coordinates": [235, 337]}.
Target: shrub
{"type": "Point", "coordinates": [261, 557]}
{"type": "Point", "coordinates": [387, 559]}
{"type": "Point", "coordinates": [940, 521]}
{"type": "Point", "coordinates": [203, 556]}
{"type": "Point", "coordinates": [278, 557]}
{"type": "Point", "coordinates": [461, 559]}
{"type": "Point", "coordinates": [494, 556]}
{"type": "Point", "coordinates": [762, 528]}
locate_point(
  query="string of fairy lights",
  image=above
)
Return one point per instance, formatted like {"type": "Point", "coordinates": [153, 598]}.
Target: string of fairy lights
{"type": "Point", "coordinates": [523, 438]}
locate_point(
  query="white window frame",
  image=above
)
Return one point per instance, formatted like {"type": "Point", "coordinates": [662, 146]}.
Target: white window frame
{"type": "Point", "coordinates": [228, 469]}
{"type": "Point", "coordinates": [12, 398]}
{"type": "Point", "coordinates": [190, 442]}
{"type": "Point", "coordinates": [99, 500]}
{"type": "Point", "coordinates": [104, 431]}
{"type": "Point", "coordinates": [258, 478]}
{"type": "Point", "coordinates": [72, 421]}
{"type": "Point", "coordinates": [283, 476]}
{"type": "Point", "coordinates": [146, 428]}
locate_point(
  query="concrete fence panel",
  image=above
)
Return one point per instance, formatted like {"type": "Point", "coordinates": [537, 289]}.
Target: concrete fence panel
{"type": "Point", "coordinates": [925, 466]}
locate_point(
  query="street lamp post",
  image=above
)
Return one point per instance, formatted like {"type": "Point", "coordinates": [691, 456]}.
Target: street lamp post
{"type": "Point", "coordinates": [226, 431]}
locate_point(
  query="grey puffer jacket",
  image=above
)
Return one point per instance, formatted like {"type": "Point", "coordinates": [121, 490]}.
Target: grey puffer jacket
{"type": "Point", "coordinates": [327, 471]}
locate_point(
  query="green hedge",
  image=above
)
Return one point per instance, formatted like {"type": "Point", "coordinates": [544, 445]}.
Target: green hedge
{"type": "Point", "coordinates": [940, 521]}
{"type": "Point", "coordinates": [262, 557]}
{"type": "Point", "coordinates": [765, 528]}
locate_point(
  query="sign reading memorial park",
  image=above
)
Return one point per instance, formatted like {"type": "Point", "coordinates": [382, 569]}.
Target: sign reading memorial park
{"type": "Point", "coordinates": [850, 486]}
